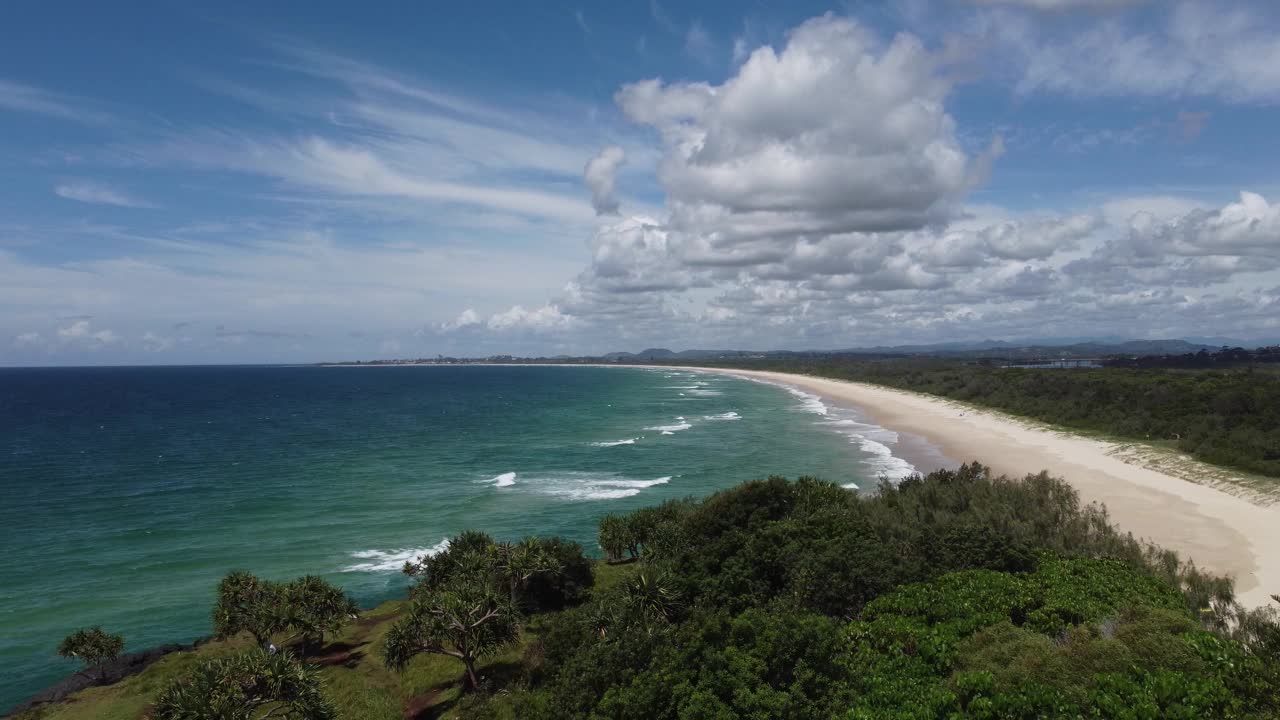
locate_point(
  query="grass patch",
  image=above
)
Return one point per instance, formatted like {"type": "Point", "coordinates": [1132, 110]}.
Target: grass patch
{"type": "Point", "coordinates": [355, 678]}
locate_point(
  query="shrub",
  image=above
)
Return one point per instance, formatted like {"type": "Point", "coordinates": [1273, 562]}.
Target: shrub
{"type": "Point", "coordinates": [253, 685]}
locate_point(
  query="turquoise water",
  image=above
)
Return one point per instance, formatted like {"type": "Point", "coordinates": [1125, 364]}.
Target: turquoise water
{"type": "Point", "coordinates": [126, 493]}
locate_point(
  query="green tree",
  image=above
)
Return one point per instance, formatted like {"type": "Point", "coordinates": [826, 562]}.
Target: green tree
{"type": "Point", "coordinates": [615, 536]}
{"type": "Point", "coordinates": [459, 557]}
{"type": "Point", "coordinates": [517, 563]}
{"type": "Point", "coordinates": [93, 646]}
{"type": "Point", "coordinates": [247, 603]}
{"type": "Point", "coordinates": [467, 621]}
{"type": "Point", "coordinates": [569, 584]}
{"type": "Point", "coordinates": [313, 607]}
{"type": "Point", "coordinates": [252, 686]}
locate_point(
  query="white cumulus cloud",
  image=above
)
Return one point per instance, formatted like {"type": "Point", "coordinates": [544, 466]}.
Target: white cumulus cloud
{"type": "Point", "coordinates": [546, 318]}
{"type": "Point", "coordinates": [599, 176]}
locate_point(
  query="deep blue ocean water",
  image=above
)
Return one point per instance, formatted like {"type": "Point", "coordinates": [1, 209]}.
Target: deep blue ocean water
{"type": "Point", "coordinates": [126, 493]}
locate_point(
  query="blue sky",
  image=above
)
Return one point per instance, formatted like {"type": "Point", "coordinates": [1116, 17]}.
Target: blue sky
{"type": "Point", "coordinates": [267, 182]}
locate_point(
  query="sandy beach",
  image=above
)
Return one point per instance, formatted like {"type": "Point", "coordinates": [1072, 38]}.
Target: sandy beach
{"type": "Point", "coordinates": [1221, 531]}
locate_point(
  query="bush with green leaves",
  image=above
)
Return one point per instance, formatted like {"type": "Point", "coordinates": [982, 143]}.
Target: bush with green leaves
{"type": "Point", "coordinates": [251, 686]}
{"type": "Point", "coordinates": [568, 584]}
{"type": "Point", "coordinates": [92, 646]}
{"type": "Point", "coordinates": [956, 594]}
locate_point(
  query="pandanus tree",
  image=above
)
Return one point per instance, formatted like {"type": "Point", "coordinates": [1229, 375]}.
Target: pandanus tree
{"type": "Point", "coordinates": [643, 604]}
{"type": "Point", "coordinates": [458, 558]}
{"type": "Point", "coordinates": [517, 563]}
{"type": "Point", "coordinates": [467, 621]}
{"type": "Point", "coordinates": [252, 686]}
{"type": "Point", "coordinates": [313, 607]}
{"type": "Point", "coordinates": [92, 646]}
{"type": "Point", "coordinates": [309, 606]}
{"type": "Point", "coordinates": [615, 537]}
{"type": "Point", "coordinates": [247, 603]}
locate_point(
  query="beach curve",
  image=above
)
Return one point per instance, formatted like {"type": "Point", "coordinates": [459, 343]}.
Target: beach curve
{"type": "Point", "coordinates": [1220, 531]}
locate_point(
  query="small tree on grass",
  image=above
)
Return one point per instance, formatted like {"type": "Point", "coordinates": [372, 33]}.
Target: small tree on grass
{"type": "Point", "coordinates": [93, 646]}
{"type": "Point", "coordinates": [313, 607]}
{"type": "Point", "coordinates": [247, 603]}
{"type": "Point", "coordinates": [252, 686]}
{"type": "Point", "coordinates": [467, 620]}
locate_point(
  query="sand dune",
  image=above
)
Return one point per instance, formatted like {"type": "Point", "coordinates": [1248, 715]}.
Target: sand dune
{"type": "Point", "coordinates": [1223, 531]}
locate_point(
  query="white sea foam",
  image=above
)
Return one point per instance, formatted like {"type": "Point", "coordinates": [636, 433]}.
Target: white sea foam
{"type": "Point", "coordinates": [809, 402]}
{"type": "Point", "coordinates": [883, 461]}
{"type": "Point", "coordinates": [731, 415]}
{"type": "Point", "coordinates": [850, 486]}
{"type": "Point", "coordinates": [606, 489]}
{"type": "Point", "coordinates": [629, 441]}
{"type": "Point", "coordinates": [633, 483]}
{"type": "Point", "coordinates": [506, 479]}
{"type": "Point", "coordinates": [875, 441]}
{"type": "Point", "coordinates": [700, 392]}
{"type": "Point", "coordinates": [391, 560]}
{"type": "Point", "coordinates": [671, 429]}
{"type": "Point", "coordinates": [871, 439]}
{"type": "Point", "coordinates": [590, 486]}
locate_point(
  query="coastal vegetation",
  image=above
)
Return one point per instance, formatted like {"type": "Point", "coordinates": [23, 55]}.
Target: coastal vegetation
{"type": "Point", "coordinates": [955, 594]}
{"type": "Point", "coordinates": [248, 686]}
{"type": "Point", "coordinates": [92, 646]}
{"type": "Point", "coordinates": [1228, 417]}
{"type": "Point", "coordinates": [308, 608]}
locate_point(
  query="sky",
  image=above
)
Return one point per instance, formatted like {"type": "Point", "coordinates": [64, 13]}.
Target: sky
{"type": "Point", "coordinates": [299, 182]}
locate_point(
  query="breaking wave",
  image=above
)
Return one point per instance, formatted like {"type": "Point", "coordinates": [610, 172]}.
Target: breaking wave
{"type": "Point", "coordinates": [506, 479]}
{"type": "Point", "coordinates": [391, 560]}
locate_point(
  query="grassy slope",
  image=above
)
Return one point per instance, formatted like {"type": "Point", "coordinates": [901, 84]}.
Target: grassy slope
{"type": "Point", "coordinates": [355, 678]}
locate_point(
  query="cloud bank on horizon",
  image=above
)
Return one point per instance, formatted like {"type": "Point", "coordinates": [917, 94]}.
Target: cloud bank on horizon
{"type": "Point", "coordinates": [570, 179]}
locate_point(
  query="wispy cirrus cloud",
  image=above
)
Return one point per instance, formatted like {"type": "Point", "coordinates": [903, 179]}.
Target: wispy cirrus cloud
{"type": "Point", "coordinates": [99, 194]}
{"type": "Point", "coordinates": [384, 135]}
{"type": "Point", "coordinates": [17, 97]}
{"type": "Point", "coordinates": [1190, 48]}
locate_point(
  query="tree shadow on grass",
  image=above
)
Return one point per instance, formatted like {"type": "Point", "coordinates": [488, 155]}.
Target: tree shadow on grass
{"type": "Point", "coordinates": [429, 706]}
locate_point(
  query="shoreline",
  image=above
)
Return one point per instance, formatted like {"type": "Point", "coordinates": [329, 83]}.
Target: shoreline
{"type": "Point", "coordinates": [1218, 530]}
{"type": "Point", "coordinates": [1211, 522]}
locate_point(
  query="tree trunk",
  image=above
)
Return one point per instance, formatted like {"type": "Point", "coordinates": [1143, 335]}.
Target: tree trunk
{"type": "Point", "coordinates": [473, 682]}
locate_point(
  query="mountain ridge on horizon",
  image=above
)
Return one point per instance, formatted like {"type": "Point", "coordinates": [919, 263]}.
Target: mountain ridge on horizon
{"type": "Point", "coordinates": [1056, 346]}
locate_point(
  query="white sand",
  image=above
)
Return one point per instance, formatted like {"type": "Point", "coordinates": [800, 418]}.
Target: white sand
{"type": "Point", "coordinates": [1220, 531]}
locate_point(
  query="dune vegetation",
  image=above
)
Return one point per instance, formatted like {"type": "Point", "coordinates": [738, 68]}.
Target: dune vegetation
{"type": "Point", "coordinates": [953, 595]}
{"type": "Point", "coordinates": [1228, 416]}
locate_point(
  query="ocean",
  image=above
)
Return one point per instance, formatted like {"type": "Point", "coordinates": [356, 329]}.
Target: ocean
{"type": "Point", "coordinates": [126, 493]}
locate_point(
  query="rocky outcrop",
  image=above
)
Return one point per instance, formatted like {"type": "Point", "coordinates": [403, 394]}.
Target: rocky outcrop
{"type": "Point", "coordinates": [105, 674]}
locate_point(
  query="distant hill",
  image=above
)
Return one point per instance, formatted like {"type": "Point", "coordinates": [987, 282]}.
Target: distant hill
{"type": "Point", "coordinates": [1050, 348]}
